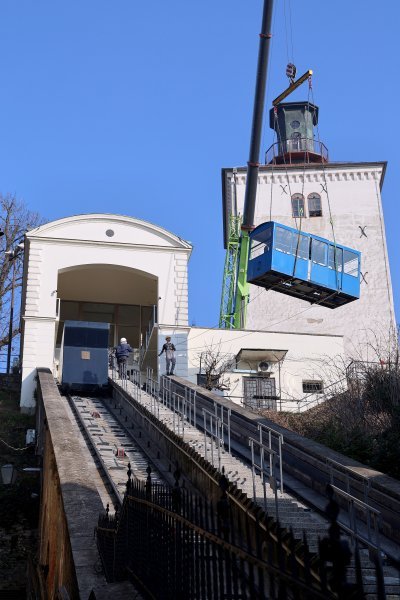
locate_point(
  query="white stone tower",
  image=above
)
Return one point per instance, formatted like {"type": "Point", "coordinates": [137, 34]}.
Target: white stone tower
{"type": "Point", "coordinates": [299, 181]}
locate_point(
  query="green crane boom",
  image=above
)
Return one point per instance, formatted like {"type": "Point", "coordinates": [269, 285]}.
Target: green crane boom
{"type": "Point", "coordinates": [230, 273]}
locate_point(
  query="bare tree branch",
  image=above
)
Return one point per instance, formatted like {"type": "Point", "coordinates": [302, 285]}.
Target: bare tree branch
{"type": "Point", "coordinates": [15, 221]}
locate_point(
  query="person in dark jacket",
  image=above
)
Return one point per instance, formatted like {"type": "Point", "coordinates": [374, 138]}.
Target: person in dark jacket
{"type": "Point", "coordinates": [122, 352]}
{"type": "Point", "coordinates": [169, 350]}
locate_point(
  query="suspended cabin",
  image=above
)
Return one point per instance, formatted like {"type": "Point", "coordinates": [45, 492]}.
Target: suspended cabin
{"type": "Point", "coordinates": [303, 265]}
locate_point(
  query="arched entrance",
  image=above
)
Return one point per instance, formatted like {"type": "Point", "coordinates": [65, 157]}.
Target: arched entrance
{"type": "Point", "coordinates": [125, 298]}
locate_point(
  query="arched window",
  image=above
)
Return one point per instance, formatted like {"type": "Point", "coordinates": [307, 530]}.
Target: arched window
{"type": "Point", "coordinates": [314, 205]}
{"type": "Point", "coordinates": [298, 205]}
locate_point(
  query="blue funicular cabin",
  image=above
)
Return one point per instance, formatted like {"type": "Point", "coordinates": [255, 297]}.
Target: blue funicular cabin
{"type": "Point", "coordinates": [303, 265]}
{"type": "Point", "coordinates": [84, 356]}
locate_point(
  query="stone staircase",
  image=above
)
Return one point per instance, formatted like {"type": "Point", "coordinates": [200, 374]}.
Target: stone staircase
{"type": "Point", "coordinates": [291, 513]}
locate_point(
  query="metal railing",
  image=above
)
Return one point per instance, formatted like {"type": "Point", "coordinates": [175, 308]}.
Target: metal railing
{"type": "Point", "coordinates": [270, 433]}
{"type": "Point", "coordinates": [217, 426]}
{"type": "Point", "coordinates": [372, 515]}
{"type": "Point", "coordinates": [147, 336]}
{"type": "Point", "coordinates": [212, 427]}
{"type": "Point", "coordinates": [303, 148]}
{"type": "Point", "coordinates": [267, 474]}
{"type": "Point", "coordinates": [175, 545]}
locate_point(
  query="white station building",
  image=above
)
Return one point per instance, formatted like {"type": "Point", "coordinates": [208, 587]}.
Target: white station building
{"type": "Point", "coordinates": [101, 268]}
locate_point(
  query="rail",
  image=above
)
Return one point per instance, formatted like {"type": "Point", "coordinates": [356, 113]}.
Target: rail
{"type": "Point", "coordinates": [311, 469]}
{"type": "Point", "coordinates": [293, 149]}
{"type": "Point", "coordinates": [262, 428]}
{"type": "Point", "coordinates": [354, 503]}
{"type": "Point", "coordinates": [267, 477]}
{"type": "Point", "coordinates": [147, 336]}
{"type": "Point", "coordinates": [176, 545]}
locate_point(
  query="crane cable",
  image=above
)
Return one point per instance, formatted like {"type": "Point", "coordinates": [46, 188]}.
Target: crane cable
{"type": "Point", "coordinates": [302, 188]}
{"type": "Point", "coordinates": [288, 26]}
{"type": "Point", "coordinates": [325, 189]}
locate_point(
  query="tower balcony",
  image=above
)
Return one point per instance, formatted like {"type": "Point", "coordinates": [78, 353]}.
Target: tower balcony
{"type": "Point", "coordinates": [296, 150]}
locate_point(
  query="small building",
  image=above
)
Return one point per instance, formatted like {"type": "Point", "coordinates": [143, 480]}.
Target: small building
{"type": "Point", "coordinates": [267, 370]}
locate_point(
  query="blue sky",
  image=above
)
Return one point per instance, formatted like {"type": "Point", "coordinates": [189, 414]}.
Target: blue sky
{"type": "Point", "coordinates": [134, 107]}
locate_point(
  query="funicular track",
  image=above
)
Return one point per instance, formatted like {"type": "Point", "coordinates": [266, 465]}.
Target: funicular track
{"type": "Point", "coordinates": [220, 432]}
{"type": "Point", "coordinates": [113, 446]}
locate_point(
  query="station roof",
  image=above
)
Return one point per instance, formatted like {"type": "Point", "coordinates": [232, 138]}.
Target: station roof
{"type": "Point", "coordinates": [260, 354]}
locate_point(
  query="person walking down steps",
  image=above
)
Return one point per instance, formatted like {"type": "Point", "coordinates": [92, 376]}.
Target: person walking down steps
{"type": "Point", "coordinates": [122, 352]}
{"type": "Point", "coordinates": [170, 359]}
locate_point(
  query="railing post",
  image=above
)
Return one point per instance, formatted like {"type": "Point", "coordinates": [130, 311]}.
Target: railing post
{"type": "Point", "coordinates": [148, 483]}
{"type": "Point", "coordinates": [253, 470]}
{"type": "Point", "coordinates": [280, 464]}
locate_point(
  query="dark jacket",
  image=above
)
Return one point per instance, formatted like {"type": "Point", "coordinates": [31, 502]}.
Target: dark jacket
{"type": "Point", "coordinates": [168, 346]}
{"type": "Point", "coordinates": [122, 351]}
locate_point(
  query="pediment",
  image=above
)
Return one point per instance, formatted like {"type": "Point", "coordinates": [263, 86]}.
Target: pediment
{"type": "Point", "coordinates": [108, 228]}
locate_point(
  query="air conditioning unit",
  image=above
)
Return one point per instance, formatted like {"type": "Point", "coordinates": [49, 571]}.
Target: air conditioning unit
{"type": "Point", "coordinates": [263, 367]}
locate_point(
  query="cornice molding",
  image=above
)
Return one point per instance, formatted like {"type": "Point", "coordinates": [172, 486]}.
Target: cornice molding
{"type": "Point", "coordinates": [52, 241]}
{"type": "Point", "coordinates": [317, 176]}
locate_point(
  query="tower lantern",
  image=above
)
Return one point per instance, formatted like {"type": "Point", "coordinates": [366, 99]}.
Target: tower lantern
{"type": "Point", "coordinates": [294, 125]}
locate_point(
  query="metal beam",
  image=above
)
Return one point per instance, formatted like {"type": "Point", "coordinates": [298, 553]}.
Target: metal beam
{"type": "Point", "coordinates": [292, 87]}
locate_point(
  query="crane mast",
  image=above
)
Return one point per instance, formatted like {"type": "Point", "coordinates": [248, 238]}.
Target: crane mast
{"type": "Point", "coordinates": [242, 287]}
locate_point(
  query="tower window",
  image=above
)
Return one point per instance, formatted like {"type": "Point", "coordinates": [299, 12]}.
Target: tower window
{"type": "Point", "coordinates": [314, 205]}
{"type": "Point", "coordinates": [298, 205]}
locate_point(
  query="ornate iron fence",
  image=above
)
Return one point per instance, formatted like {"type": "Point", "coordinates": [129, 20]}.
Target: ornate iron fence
{"type": "Point", "coordinates": [174, 545]}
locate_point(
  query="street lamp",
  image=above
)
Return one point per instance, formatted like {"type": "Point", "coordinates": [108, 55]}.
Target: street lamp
{"type": "Point", "coordinates": [8, 474]}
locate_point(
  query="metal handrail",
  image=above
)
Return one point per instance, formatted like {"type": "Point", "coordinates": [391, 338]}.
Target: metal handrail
{"type": "Point", "coordinates": [367, 509]}
{"type": "Point", "coordinates": [351, 474]}
{"type": "Point", "coordinates": [152, 322]}
{"type": "Point", "coordinates": [261, 468]}
{"type": "Point", "coordinates": [285, 148]}
{"type": "Point", "coordinates": [261, 427]}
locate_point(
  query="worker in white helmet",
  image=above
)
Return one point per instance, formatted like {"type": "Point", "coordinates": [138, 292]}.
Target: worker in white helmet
{"type": "Point", "coordinates": [122, 352]}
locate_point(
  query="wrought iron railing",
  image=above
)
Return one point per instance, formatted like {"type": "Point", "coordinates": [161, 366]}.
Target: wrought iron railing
{"type": "Point", "coordinates": [185, 408]}
{"type": "Point", "coordinates": [174, 545]}
{"type": "Point", "coordinates": [296, 150]}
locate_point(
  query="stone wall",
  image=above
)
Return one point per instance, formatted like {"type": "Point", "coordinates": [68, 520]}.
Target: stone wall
{"type": "Point", "coordinates": [70, 502]}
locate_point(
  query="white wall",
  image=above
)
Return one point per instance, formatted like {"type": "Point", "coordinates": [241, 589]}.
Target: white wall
{"type": "Point", "coordinates": [355, 200]}
{"type": "Point", "coordinates": [309, 357]}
